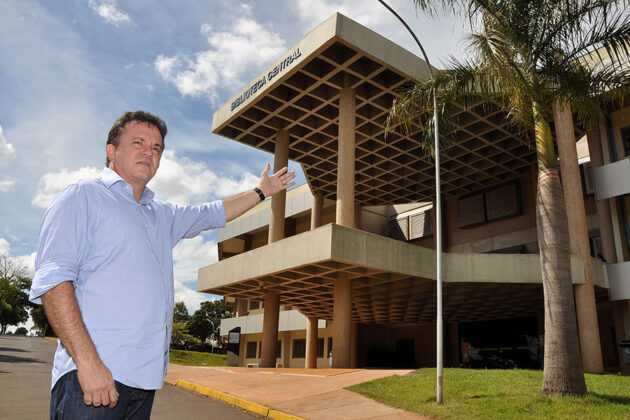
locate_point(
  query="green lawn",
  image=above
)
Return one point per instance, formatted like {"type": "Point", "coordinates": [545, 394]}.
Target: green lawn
{"type": "Point", "coordinates": [499, 394]}
{"type": "Point", "coordinates": [196, 358]}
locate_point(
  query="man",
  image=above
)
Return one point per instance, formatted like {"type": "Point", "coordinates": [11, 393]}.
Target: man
{"type": "Point", "coordinates": [104, 273]}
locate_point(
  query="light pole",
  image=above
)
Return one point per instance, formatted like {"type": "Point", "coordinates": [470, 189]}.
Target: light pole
{"type": "Point", "coordinates": [438, 223]}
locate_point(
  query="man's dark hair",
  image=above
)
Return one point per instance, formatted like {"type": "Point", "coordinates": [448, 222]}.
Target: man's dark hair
{"type": "Point", "coordinates": [135, 116]}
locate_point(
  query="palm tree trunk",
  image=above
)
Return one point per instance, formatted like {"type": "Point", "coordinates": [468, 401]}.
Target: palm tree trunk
{"type": "Point", "coordinates": [562, 363]}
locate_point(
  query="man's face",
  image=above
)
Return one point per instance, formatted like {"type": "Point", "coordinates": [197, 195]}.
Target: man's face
{"type": "Point", "coordinates": [137, 156]}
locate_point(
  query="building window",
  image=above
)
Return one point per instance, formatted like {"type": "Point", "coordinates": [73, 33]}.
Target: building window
{"type": "Point", "coordinates": [320, 347]}
{"type": "Point", "coordinates": [299, 348]}
{"type": "Point", "coordinates": [259, 348]}
{"type": "Point", "coordinates": [625, 139]}
{"type": "Point", "coordinates": [329, 345]}
{"type": "Point", "coordinates": [278, 349]}
{"type": "Point", "coordinates": [251, 350]}
{"type": "Point", "coordinates": [253, 305]}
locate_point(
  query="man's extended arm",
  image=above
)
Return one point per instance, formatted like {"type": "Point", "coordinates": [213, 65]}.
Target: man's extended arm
{"type": "Point", "coordinates": [62, 310]}
{"type": "Point", "coordinates": [269, 185]}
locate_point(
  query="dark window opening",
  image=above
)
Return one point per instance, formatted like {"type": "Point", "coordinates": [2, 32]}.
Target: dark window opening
{"type": "Point", "coordinates": [299, 348]}
{"type": "Point", "coordinates": [251, 350]}
{"type": "Point", "coordinates": [320, 347]}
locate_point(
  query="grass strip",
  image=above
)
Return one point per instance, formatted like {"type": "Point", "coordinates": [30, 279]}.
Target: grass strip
{"type": "Point", "coordinates": [196, 358]}
{"type": "Point", "coordinates": [499, 394]}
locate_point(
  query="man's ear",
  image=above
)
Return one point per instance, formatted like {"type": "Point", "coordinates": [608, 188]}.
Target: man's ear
{"type": "Point", "coordinates": [110, 150]}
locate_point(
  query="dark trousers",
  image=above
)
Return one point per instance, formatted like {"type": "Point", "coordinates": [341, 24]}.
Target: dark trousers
{"type": "Point", "coordinates": [66, 402]}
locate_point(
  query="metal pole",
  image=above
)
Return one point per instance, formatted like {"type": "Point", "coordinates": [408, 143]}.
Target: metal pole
{"type": "Point", "coordinates": [438, 222]}
{"type": "Point", "coordinates": [438, 255]}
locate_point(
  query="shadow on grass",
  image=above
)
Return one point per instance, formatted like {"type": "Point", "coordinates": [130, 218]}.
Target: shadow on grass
{"type": "Point", "coordinates": [614, 399]}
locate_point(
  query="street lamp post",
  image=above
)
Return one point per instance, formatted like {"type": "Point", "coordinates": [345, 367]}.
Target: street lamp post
{"type": "Point", "coordinates": [438, 223]}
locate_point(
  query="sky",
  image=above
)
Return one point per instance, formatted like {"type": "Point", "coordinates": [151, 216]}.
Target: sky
{"type": "Point", "coordinates": [69, 68]}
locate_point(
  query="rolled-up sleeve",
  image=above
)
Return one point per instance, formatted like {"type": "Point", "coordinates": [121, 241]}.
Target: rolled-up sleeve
{"type": "Point", "coordinates": [189, 221]}
{"type": "Point", "coordinates": [62, 239]}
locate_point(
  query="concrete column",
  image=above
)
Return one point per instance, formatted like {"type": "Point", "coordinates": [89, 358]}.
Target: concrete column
{"type": "Point", "coordinates": [608, 240]}
{"type": "Point", "coordinates": [342, 300]}
{"type": "Point", "coordinates": [585, 305]}
{"type": "Point", "coordinates": [317, 212]}
{"type": "Point", "coordinates": [342, 322]}
{"type": "Point", "coordinates": [278, 201]}
{"type": "Point", "coordinates": [270, 330]}
{"type": "Point", "coordinates": [345, 159]}
{"type": "Point", "coordinates": [276, 232]}
{"type": "Point", "coordinates": [311, 343]}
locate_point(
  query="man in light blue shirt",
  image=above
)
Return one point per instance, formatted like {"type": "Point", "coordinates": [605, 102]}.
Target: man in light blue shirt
{"type": "Point", "coordinates": [104, 272]}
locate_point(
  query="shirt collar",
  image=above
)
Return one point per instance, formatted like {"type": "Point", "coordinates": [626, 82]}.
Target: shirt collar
{"type": "Point", "coordinates": [109, 178]}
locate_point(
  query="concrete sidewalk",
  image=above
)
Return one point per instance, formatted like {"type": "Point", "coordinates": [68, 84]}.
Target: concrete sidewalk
{"type": "Point", "coordinates": [306, 393]}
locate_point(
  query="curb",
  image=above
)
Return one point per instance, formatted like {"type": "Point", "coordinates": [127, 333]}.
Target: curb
{"type": "Point", "coordinates": [261, 410]}
{"type": "Point", "coordinates": [50, 338]}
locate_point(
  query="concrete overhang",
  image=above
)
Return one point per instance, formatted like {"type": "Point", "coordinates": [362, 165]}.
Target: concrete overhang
{"type": "Point", "coordinates": [299, 93]}
{"type": "Point", "coordinates": [392, 281]}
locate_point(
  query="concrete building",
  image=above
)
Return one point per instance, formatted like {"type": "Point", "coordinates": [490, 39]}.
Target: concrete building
{"type": "Point", "coordinates": [347, 259]}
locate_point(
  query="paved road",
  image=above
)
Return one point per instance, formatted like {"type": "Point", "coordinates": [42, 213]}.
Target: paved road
{"type": "Point", "coordinates": [25, 366]}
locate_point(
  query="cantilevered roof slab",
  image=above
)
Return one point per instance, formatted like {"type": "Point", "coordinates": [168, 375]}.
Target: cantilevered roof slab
{"type": "Point", "coordinates": [392, 281]}
{"type": "Point", "coordinates": [300, 93]}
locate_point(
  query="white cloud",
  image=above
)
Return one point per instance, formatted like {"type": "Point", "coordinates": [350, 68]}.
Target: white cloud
{"type": "Point", "coordinates": [369, 13]}
{"type": "Point", "coordinates": [245, 46]}
{"type": "Point", "coordinates": [183, 181]}
{"type": "Point", "coordinates": [52, 183]}
{"type": "Point", "coordinates": [188, 256]}
{"type": "Point", "coordinates": [7, 185]}
{"type": "Point", "coordinates": [5, 247]}
{"type": "Point", "coordinates": [108, 10]}
{"type": "Point", "coordinates": [7, 151]}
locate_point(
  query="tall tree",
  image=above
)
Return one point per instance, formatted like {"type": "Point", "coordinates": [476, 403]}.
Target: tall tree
{"type": "Point", "coordinates": [534, 58]}
{"type": "Point", "coordinates": [180, 313]}
{"type": "Point", "coordinates": [14, 287]}
{"type": "Point", "coordinates": [40, 322]}
{"type": "Point", "coordinates": [205, 322]}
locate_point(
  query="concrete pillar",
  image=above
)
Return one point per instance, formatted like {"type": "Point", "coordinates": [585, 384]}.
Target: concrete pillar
{"type": "Point", "coordinates": [342, 322]}
{"type": "Point", "coordinates": [345, 159]}
{"type": "Point", "coordinates": [270, 330]}
{"type": "Point", "coordinates": [317, 212]}
{"type": "Point", "coordinates": [278, 201]}
{"type": "Point", "coordinates": [241, 307]}
{"type": "Point", "coordinates": [342, 300]}
{"type": "Point", "coordinates": [608, 240]}
{"type": "Point", "coordinates": [311, 343]}
{"type": "Point", "coordinates": [276, 232]}
{"type": "Point", "coordinates": [585, 305]}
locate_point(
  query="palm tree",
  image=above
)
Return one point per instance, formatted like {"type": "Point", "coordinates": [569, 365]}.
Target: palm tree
{"type": "Point", "coordinates": [535, 58]}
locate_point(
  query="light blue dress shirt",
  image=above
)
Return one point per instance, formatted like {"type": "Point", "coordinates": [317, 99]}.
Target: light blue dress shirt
{"type": "Point", "coordinates": [118, 254]}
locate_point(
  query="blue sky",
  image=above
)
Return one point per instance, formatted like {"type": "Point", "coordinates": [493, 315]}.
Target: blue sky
{"type": "Point", "coordinates": [69, 68]}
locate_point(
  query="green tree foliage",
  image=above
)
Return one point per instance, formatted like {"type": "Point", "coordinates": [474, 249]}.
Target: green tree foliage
{"type": "Point", "coordinates": [40, 322]}
{"type": "Point", "coordinates": [205, 322]}
{"type": "Point", "coordinates": [14, 288]}
{"type": "Point", "coordinates": [180, 313]}
{"type": "Point", "coordinates": [180, 339]}
{"type": "Point", "coordinates": [21, 331]}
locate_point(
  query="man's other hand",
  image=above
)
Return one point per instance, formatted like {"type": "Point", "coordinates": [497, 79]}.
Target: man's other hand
{"type": "Point", "coordinates": [98, 385]}
{"type": "Point", "coordinates": [271, 184]}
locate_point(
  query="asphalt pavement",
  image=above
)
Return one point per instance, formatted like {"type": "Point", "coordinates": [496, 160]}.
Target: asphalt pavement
{"type": "Point", "coordinates": [25, 367]}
